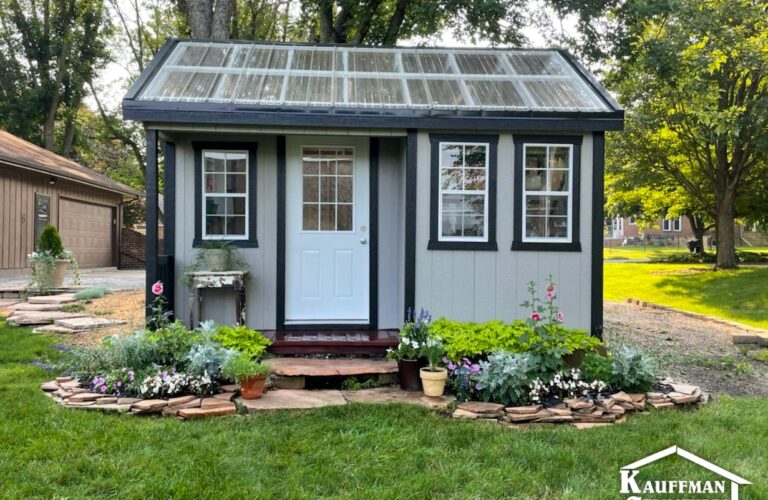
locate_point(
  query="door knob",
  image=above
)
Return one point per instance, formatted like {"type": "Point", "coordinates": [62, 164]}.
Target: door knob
{"type": "Point", "coordinates": [363, 241]}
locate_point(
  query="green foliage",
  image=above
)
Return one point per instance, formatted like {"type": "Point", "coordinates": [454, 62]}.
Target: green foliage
{"type": "Point", "coordinates": [413, 336]}
{"type": "Point", "coordinates": [469, 339]}
{"type": "Point", "coordinates": [208, 357]}
{"type": "Point", "coordinates": [173, 343]}
{"type": "Point", "coordinates": [504, 378]}
{"type": "Point", "coordinates": [50, 242]}
{"type": "Point", "coordinates": [95, 292]}
{"type": "Point", "coordinates": [241, 338]}
{"type": "Point", "coordinates": [353, 384]}
{"type": "Point", "coordinates": [596, 367]}
{"type": "Point", "coordinates": [242, 366]}
{"type": "Point", "coordinates": [72, 308]}
{"type": "Point", "coordinates": [760, 355]}
{"type": "Point", "coordinates": [434, 351]}
{"type": "Point", "coordinates": [631, 370]}
{"type": "Point", "coordinates": [743, 257]}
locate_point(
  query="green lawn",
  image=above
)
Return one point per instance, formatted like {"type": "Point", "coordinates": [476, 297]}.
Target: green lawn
{"type": "Point", "coordinates": [740, 295]}
{"type": "Point", "coordinates": [358, 451]}
{"type": "Point", "coordinates": [649, 252]}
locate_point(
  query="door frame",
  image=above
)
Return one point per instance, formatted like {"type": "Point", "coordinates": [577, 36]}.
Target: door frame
{"type": "Point", "coordinates": [373, 269]}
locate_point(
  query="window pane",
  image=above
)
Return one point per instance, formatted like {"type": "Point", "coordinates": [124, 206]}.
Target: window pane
{"type": "Point", "coordinates": [535, 227]}
{"type": "Point", "coordinates": [310, 217]}
{"type": "Point", "coordinates": [479, 64]}
{"type": "Point", "coordinates": [235, 206]}
{"type": "Point", "coordinates": [453, 203]}
{"type": "Point", "coordinates": [328, 189]}
{"type": "Point", "coordinates": [311, 188]}
{"type": "Point", "coordinates": [473, 226]}
{"type": "Point", "coordinates": [535, 157]}
{"type": "Point", "coordinates": [557, 227]}
{"type": "Point", "coordinates": [311, 165]}
{"type": "Point", "coordinates": [450, 155]}
{"type": "Point", "coordinates": [344, 222]}
{"type": "Point", "coordinates": [558, 157]}
{"type": "Point", "coordinates": [558, 180]}
{"type": "Point", "coordinates": [474, 179]}
{"type": "Point", "coordinates": [535, 180]}
{"type": "Point", "coordinates": [214, 225]}
{"type": "Point", "coordinates": [215, 205]}
{"type": "Point", "coordinates": [214, 183]}
{"type": "Point", "coordinates": [327, 217]}
{"type": "Point", "coordinates": [474, 156]}
{"type": "Point", "coordinates": [474, 204]}
{"type": "Point", "coordinates": [452, 224]}
{"type": "Point", "coordinates": [235, 163]}
{"type": "Point", "coordinates": [235, 226]}
{"type": "Point", "coordinates": [450, 179]}
{"type": "Point", "coordinates": [445, 92]}
{"type": "Point", "coordinates": [536, 205]}
{"type": "Point", "coordinates": [558, 205]}
{"type": "Point", "coordinates": [344, 189]}
{"type": "Point", "coordinates": [344, 167]}
{"type": "Point", "coordinates": [327, 167]}
{"type": "Point", "coordinates": [214, 162]}
{"type": "Point", "coordinates": [418, 91]}
{"type": "Point", "coordinates": [236, 183]}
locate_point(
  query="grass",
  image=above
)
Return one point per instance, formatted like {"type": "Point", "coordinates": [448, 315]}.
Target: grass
{"type": "Point", "coordinates": [355, 451]}
{"type": "Point", "coordinates": [739, 295]}
{"type": "Point", "coordinates": [649, 252]}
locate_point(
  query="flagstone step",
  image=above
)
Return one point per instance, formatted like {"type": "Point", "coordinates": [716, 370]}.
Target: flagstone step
{"type": "Point", "coordinates": [8, 303]}
{"type": "Point", "coordinates": [54, 329]}
{"type": "Point", "coordinates": [305, 367]}
{"type": "Point", "coordinates": [26, 306]}
{"type": "Point", "coordinates": [88, 323]}
{"type": "Point", "coordinates": [30, 318]}
{"type": "Point", "coordinates": [63, 298]}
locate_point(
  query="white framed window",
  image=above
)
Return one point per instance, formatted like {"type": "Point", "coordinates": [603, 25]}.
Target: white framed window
{"type": "Point", "coordinates": [462, 214]}
{"type": "Point", "coordinates": [225, 202]}
{"type": "Point", "coordinates": [675, 225]}
{"type": "Point", "coordinates": [547, 205]}
{"type": "Point", "coordinates": [632, 221]}
{"type": "Point", "coordinates": [327, 189]}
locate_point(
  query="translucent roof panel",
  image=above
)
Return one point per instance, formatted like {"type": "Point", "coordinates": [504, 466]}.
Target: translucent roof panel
{"type": "Point", "coordinates": [365, 77]}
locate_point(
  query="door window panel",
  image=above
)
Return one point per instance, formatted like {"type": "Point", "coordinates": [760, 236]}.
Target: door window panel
{"type": "Point", "coordinates": [328, 189]}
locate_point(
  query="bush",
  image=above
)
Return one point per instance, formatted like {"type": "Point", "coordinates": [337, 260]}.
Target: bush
{"type": "Point", "coordinates": [50, 242]}
{"type": "Point", "coordinates": [173, 343]}
{"type": "Point", "coordinates": [631, 370]}
{"type": "Point", "coordinates": [239, 368]}
{"type": "Point", "coordinates": [504, 378]}
{"type": "Point", "coordinates": [95, 292]}
{"type": "Point", "coordinates": [240, 338]}
{"type": "Point", "coordinates": [710, 258]}
{"type": "Point", "coordinates": [596, 367]}
{"type": "Point", "coordinates": [208, 358]}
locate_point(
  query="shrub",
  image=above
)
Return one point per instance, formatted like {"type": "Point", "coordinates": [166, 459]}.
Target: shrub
{"type": "Point", "coordinates": [240, 338]}
{"type": "Point", "coordinates": [472, 340]}
{"type": "Point", "coordinates": [742, 257]}
{"type": "Point", "coordinates": [242, 366]}
{"type": "Point", "coordinates": [173, 343]}
{"type": "Point", "coordinates": [631, 370]}
{"type": "Point", "coordinates": [596, 367]}
{"type": "Point", "coordinates": [208, 357]}
{"type": "Point", "coordinates": [50, 242]}
{"type": "Point", "coordinates": [95, 292]}
{"type": "Point", "coordinates": [136, 352]}
{"type": "Point", "coordinates": [504, 378]}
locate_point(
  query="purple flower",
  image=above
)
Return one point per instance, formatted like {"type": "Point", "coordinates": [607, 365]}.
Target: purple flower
{"type": "Point", "coordinates": [119, 383]}
{"type": "Point", "coordinates": [103, 388]}
{"type": "Point", "coordinates": [62, 347]}
{"type": "Point", "coordinates": [478, 387]}
{"type": "Point", "coordinates": [474, 368]}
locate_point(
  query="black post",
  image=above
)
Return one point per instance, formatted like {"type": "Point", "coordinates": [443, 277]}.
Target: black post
{"type": "Point", "coordinates": [168, 277]}
{"type": "Point", "coordinates": [598, 202]}
{"type": "Point", "coordinates": [410, 220]}
{"type": "Point", "coordinates": [151, 214]}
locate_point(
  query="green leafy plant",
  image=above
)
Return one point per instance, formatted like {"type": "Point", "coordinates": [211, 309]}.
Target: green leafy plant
{"type": "Point", "coordinates": [242, 367]}
{"type": "Point", "coordinates": [353, 384]}
{"type": "Point", "coordinates": [413, 336]}
{"type": "Point", "coordinates": [504, 378]}
{"type": "Point", "coordinates": [208, 357]}
{"type": "Point", "coordinates": [596, 367]}
{"type": "Point", "coordinates": [243, 339]}
{"type": "Point", "coordinates": [74, 307]}
{"type": "Point", "coordinates": [434, 351]}
{"type": "Point", "coordinates": [468, 339]}
{"type": "Point", "coordinates": [760, 355]}
{"type": "Point", "coordinates": [173, 343]}
{"type": "Point", "coordinates": [95, 292]}
{"type": "Point", "coordinates": [201, 262]}
{"type": "Point", "coordinates": [50, 242]}
{"type": "Point", "coordinates": [631, 370]}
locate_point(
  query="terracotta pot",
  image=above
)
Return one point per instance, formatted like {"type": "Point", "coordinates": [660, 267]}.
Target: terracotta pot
{"type": "Point", "coordinates": [408, 374]}
{"type": "Point", "coordinates": [433, 382]}
{"type": "Point", "coordinates": [253, 387]}
{"type": "Point", "coordinates": [575, 359]}
{"type": "Point", "coordinates": [217, 259]}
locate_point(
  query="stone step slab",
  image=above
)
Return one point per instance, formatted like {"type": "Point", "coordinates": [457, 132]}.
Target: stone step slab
{"type": "Point", "coordinates": [522, 410]}
{"type": "Point", "coordinates": [63, 298]}
{"type": "Point", "coordinates": [85, 396]}
{"type": "Point", "coordinates": [55, 329]}
{"type": "Point", "coordinates": [42, 317]}
{"type": "Point", "coordinates": [9, 303]}
{"type": "Point", "coordinates": [213, 403]}
{"type": "Point", "coordinates": [385, 395]}
{"type": "Point", "coordinates": [297, 367]}
{"type": "Point", "coordinates": [85, 322]}
{"type": "Point", "coordinates": [27, 307]}
{"type": "Point", "coordinates": [481, 407]}
{"type": "Point", "coordinates": [207, 412]}
{"type": "Point", "coordinates": [148, 406]}
{"type": "Point", "coordinates": [225, 396]}
{"type": "Point", "coordinates": [288, 399]}
{"type": "Point", "coordinates": [181, 400]}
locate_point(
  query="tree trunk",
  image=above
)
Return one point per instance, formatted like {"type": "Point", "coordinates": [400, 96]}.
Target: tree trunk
{"type": "Point", "coordinates": [198, 14]}
{"type": "Point", "coordinates": [395, 23]}
{"type": "Point", "coordinates": [698, 228]}
{"type": "Point", "coordinates": [726, 243]}
{"type": "Point", "coordinates": [222, 19]}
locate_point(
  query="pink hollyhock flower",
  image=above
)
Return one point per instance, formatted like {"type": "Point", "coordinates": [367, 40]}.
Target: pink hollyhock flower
{"type": "Point", "coordinates": [550, 295]}
{"type": "Point", "coordinates": [535, 316]}
{"type": "Point", "coordinates": [157, 288]}
{"type": "Point", "coordinates": [560, 316]}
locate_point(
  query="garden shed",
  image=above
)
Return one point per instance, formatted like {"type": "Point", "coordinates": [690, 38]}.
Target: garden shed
{"type": "Point", "coordinates": [359, 182]}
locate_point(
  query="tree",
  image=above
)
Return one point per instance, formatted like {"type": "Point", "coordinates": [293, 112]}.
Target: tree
{"type": "Point", "coordinates": [696, 92]}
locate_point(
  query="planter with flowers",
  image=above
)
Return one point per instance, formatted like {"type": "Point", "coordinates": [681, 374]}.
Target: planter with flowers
{"type": "Point", "coordinates": [250, 374]}
{"type": "Point", "coordinates": [433, 376]}
{"type": "Point", "coordinates": [50, 262]}
{"type": "Point", "coordinates": [408, 351]}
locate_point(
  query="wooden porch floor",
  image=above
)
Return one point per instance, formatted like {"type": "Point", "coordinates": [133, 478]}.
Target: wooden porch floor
{"type": "Point", "coordinates": [364, 342]}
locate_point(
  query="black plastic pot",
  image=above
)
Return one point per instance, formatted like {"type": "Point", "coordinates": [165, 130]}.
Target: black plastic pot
{"type": "Point", "coordinates": [408, 374]}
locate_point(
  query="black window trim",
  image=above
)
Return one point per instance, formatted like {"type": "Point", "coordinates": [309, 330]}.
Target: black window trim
{"type": "Point", "coordinates": [434, 241]}
{"type": "Point", "coordinates": [519, 167]}
{"type": "Point", "coordinates": [250, 147]}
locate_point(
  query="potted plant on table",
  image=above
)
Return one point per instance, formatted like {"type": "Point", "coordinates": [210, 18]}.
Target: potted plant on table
{"type": "Point", "coordinates": [408, 352]}
{"type": "Point", "coordinates": [49, 263]}
{"type": "Point", "coordinates": [216, 255]}
{"type": "Point", "coordinates": [250, 374]}
{"type": "Point", "coordinates": [433, 376]}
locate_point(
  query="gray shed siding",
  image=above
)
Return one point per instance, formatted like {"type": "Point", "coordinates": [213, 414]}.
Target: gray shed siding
{"type": "Point", "coordinates": [483, 285]}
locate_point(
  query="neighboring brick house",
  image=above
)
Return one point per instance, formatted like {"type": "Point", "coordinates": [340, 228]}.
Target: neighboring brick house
{"type": "Point", "coordinates": [625, 230]}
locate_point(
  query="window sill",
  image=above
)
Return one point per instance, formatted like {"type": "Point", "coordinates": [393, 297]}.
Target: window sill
{"type": "Point", "coordinates": [574, 246]}
{"type": "Point", "coordinates": [197, 243]}
{"type": "Point", "coordinates": [486, 246]}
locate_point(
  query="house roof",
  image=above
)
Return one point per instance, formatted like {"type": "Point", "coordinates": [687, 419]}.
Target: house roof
{"type": "Point", "coordinates": [17, 152]}
{"type": "Point", "coordinates": [342, 85]}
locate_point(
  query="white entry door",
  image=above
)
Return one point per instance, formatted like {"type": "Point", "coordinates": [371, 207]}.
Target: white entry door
{"type": "Point", "coordinates": [327, 230]}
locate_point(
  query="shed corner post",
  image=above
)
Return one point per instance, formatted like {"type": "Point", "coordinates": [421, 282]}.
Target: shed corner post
{"type": "Point", "coordinates": [151, 216]}
{"type": "Point", "coordinates": [598, 214]}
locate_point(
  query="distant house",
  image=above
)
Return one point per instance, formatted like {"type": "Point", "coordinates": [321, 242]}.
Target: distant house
{"type": "Point", "coordinates": [38, 187]}
{"type": "Point", "coordinates": [666, 230]}
{"type": "Point", "coordinates": [359, 182]}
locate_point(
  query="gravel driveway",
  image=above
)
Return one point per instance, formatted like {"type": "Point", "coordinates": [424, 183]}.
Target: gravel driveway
{"type": "Point", "coordinates": [688, 349]}
{"type": "Point", "coordinates": [111, 278]}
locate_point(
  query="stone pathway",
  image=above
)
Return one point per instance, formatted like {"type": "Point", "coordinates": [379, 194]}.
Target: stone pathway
{"type": "Point", "coordinates": [46, 310]}
{"type": "Point", "coordinates": [296, 367]}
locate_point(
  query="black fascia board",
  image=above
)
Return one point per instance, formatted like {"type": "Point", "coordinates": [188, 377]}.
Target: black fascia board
{"type": "Point", "coordinates": [238, 114]}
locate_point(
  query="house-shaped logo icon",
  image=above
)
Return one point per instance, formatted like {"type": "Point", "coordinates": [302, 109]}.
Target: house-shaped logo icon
{"type": "Point", "coordinates": [630, 485]}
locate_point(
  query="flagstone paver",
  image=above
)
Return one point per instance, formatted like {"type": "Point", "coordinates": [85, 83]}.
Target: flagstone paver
{"type": "Point", "coordinates": [63, 298]}
{"type": "Point", "coordinates": [287, 399]}
{"type": "Point", "coordinates": [296, 367]}
{"type": "Point", "coordinates": [88, 323]}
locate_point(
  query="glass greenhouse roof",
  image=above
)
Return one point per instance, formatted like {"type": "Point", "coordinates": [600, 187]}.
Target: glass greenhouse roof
{"type": "Point", "coordinates": [377, 78]}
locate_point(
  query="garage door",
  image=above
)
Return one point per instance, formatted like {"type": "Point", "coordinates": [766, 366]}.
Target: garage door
{"type": "Point", "coordinates": [86, 230]}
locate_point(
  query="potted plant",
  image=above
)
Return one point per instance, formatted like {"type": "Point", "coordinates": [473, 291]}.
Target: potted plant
{"type": "Point", "coordinates": [49, 263]}
{"type": "Point", "coordinates": [433, 376]}
{"type": "Point", "coordinates": [250, 374]}
{"type": "Point", "coordinates": [407, 354]}
{"type": "Point", "coordinates": [216, 255]}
